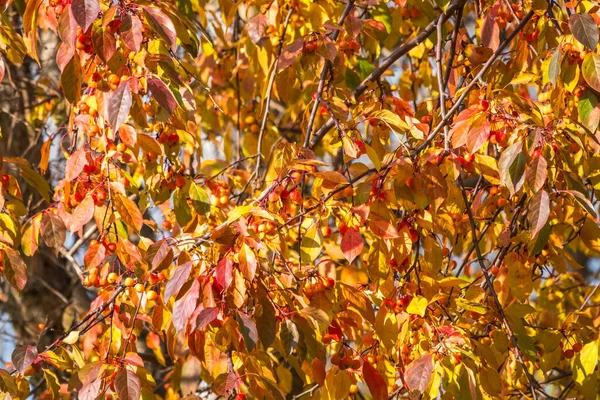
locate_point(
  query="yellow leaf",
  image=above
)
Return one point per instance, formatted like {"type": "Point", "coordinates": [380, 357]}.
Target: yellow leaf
{"type": "Point", "coordinates": [417, 306]}
{"type": "Point", "coordinates": [71, 338]}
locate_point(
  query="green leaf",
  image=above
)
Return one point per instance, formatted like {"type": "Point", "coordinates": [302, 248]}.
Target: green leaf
{"type": "Point", "coordinates": [199, 198]}
{"type": "Point", "coordinates": [511, 167]}
{"type": "Point", "coordinates": [554, 67]}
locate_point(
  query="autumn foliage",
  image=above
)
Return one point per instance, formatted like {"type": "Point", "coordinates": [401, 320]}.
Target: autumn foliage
{"type": "Point", "coordinates": [308, 199]}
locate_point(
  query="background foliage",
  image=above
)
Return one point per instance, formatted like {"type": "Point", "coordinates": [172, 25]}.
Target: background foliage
{"type": "Point", "coordinates": [299, 199]}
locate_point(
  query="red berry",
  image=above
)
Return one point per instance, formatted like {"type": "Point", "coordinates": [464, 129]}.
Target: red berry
{"type": "Point", "coordinates": [537, 153]}
{"type": "Point", "coordinates": [484, 104]}
{"type": "Point", "coordinates": [163, 138]}
{"type": "Point", "coordinates": [414, 236]}
{"type": "Point", "coordinates": [273, 197]}
{"type": "Point", "coordinates": [296, 196]}
{"type": "Point", "coordinates": [361, 146]}
{"type": "Point", "coordinates": [5, 178]}
{"type": "Point", "coordinates": [577, 347]}
{"type": "Point", "coordinates": [569, 353]}
{"type": "Point", "coordinates": [173, 138]}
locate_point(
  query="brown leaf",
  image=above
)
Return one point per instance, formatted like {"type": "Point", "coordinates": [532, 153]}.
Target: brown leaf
{"type": "Point", "coordinates": [15, 270]}
{"type": "Point", "coordinates": [23, 356]}
{"type": "Point", "coordinates": [53, 230]}
{"type": "Point", "coordinates": [104, 43]}
{"type": "Point", "coordinates": [539, 210]}
{"type": "Point", "coordinates": [585, 30]}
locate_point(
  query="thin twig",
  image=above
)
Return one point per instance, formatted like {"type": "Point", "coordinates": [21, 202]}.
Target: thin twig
{"type": "Point", "coordinates": [387, 63]}
{"type": "Point", "coordinates": [472, 84]}
{"type": "Point", "coordinates": [263, 124]}
{"type": "Point", "coordinates": [533, 384]}
{"type": "Point", "coordinates": [324, 72]}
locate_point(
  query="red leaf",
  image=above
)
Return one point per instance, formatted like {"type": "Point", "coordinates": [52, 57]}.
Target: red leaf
{"type": "Point", "coordinates": [90, 390]}
{"type": "Point", "coordinates": [352, 244]}
{"type": "Point", "coordinates": [377, 385]}
{"type": "Point", "coordinates": [256, 29]}
{"type": "Point", "coordinates": [205, 317]}
{"type": "Point", "coordinates": [335, 331]}
{"type": "Point", "coordinates": [134, 359]}
{"type": "Point", "coordinates": [94, 255]}
{"type": "Point", "coordinates": [418, 374]}
{"type": "Point", "coordinates": [75, 164]}
{"type": "Point", "coordinates": [490, 31]}
{"type": "Point", "coordinates": [128, 135]}
{"type": "Point", "coordinates": [67, 29]}
{"type": "Point", "coordinates": [82, 214]}
{"type": "Point", "coordinates": [118, 104]}
{"type": "Point", "coordinates": [180, 276]}
{"type": "Point", "coordinates": [184, 307]}
{"type": "Point", "coordinates": [162, 94]}
{"type": "Point", "coordinates": [161, 24]}
{"type": "Point", "coordinates": [382, 227]}
{"type": "Point", "coordinates": [224, 272]}
{"type": "Point", "coordinates": [85, 12]}
{"type": "Point", "coordinates": [128, 385]}
{"type": "Point", "coordinates": [131, 32]}
{"type": "Point", "coordinates": [23, 357]}
{"type": "Point", "coordinates": [290, 53]}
